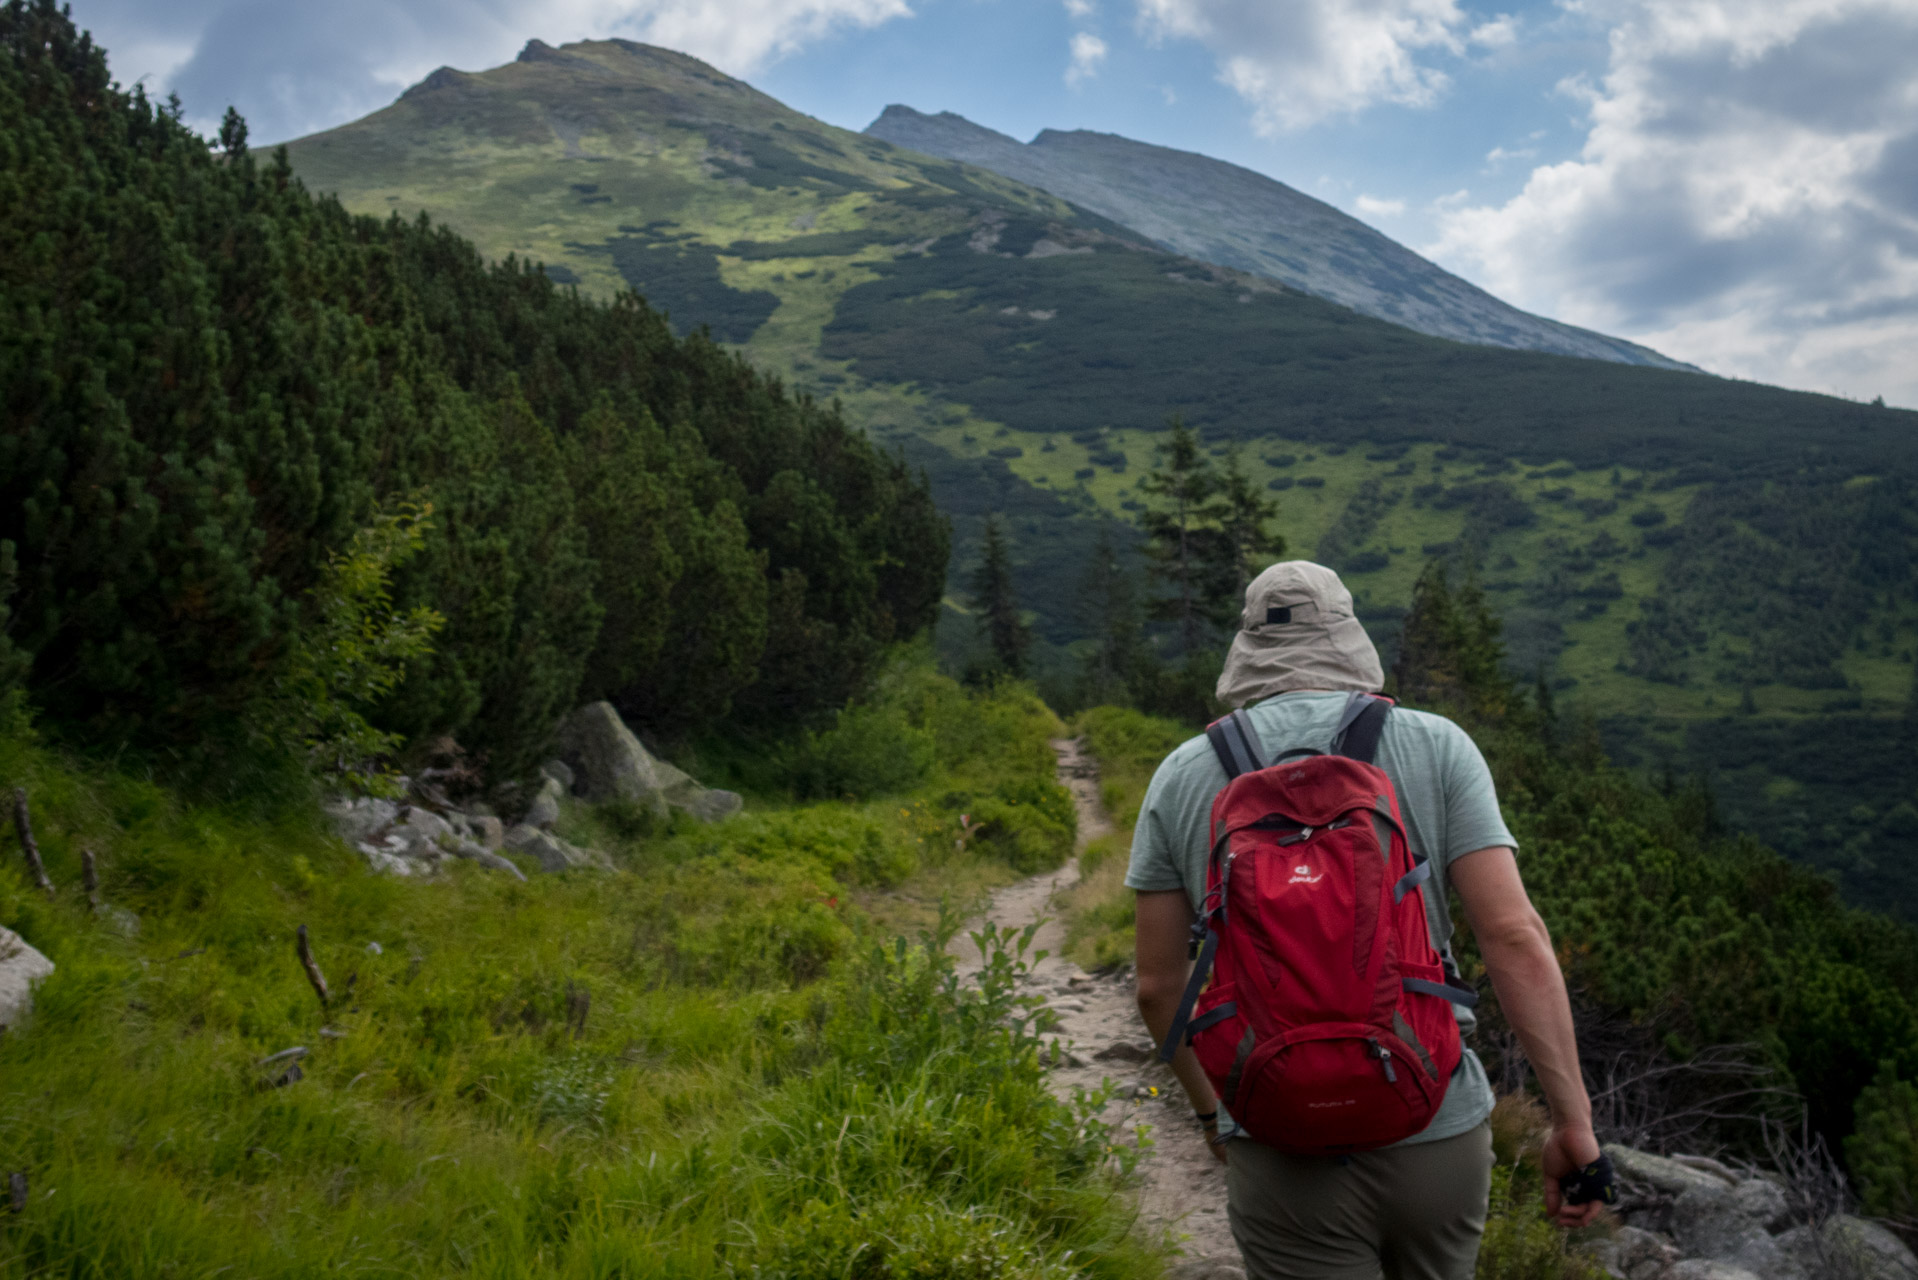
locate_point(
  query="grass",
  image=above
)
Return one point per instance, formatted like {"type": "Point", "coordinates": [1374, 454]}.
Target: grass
{"type": "Point", "coordinates": [714, 1061]}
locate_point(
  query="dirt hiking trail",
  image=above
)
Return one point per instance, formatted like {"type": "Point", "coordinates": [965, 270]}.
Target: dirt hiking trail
{"type": "Point", "coordinates": [1181, 1188]}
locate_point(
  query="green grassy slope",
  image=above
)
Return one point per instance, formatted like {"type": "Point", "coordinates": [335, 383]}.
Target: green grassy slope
{"type": "Point", "coordinates": [1686, 558]}
{"type": "Point", "coordinates": [711, 1062]}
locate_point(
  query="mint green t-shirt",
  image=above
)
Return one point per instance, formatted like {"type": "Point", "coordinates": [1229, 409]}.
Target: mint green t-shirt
{"type": "Point", "coordinates": [1445, 795]}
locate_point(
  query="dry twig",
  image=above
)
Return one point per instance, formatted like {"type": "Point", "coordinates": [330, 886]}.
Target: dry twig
{"type": "Point", "coordinates": [313, 974]}
{"type": "Point", "coordinates": [90, 877]}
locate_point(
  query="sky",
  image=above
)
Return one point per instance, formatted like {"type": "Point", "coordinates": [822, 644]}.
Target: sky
{"type": "Point", "coordinates": [1734, 184]}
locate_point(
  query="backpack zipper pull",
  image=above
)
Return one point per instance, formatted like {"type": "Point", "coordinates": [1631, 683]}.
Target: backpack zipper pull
{"type": "Point", "coordinates": [1385, 1060]}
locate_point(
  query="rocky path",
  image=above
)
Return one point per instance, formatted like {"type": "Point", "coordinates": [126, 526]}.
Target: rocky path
{"type": "Point", "coordinates": [1182, 1189]}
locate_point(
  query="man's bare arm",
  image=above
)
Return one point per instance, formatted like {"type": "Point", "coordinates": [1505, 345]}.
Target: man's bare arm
{"type": "Point", "coordinates": [1164, 920]}
{"type": "Point", "coordinates": [1517, 950]}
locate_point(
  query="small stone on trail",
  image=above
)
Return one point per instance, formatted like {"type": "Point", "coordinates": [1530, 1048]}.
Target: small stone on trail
{"type": "Point", "coordinates": [1121, 1051]}
{"type": "Point", "coordinates": [1069, 1006]}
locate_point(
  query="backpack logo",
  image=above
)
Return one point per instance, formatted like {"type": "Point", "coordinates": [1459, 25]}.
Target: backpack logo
{"type": "Point", "coordinates": [1302, 874]}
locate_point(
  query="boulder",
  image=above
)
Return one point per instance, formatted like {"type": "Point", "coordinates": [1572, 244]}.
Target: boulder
{"type": "Point", "coordinates": [358, 818]}
{"type": "Point", "coordinates": [559, 772]}
{"type": "Point", "coordinates": [486, 858]}
{"type": "Point", "coordinates": [21, 967]}
{"type": "Point", "coordinates": [1631, 1254]}
{"type": "Point", "coordinates": [1705, 1164]}
{"type": "Point", "coordinates": [1870, 1251]}
{"type": "Point", "coordinates": [544, 811]}
{"type": "Point", "coordinates": [488, 830]}
{"type": "Point", "coordinates": [553, 853]}
{"type": "Point", "coordinates": [1764, 1203]}
{"type": "Point", "coordinates": [1659, 1173]}
{"type": "Point", "coordinates": [1709, 1223]}
{"type": "Point", "coordinates": [610, 763]}
{"type": "Point", "coordinates": [1711, 1269]}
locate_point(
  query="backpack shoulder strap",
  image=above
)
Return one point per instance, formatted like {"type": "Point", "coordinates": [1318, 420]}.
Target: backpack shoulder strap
{"type": "Point", "coordinates": [1236, 744]}
{"type": "Point", "coordinates": [1360, 728]}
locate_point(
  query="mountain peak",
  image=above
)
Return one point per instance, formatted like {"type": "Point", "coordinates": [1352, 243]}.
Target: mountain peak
{"type": "Point", "coordinates": [1220, 213]}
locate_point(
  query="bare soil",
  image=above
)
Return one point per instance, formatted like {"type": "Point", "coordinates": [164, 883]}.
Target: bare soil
{"type": "Point", "coordinates": [1181, 1190]}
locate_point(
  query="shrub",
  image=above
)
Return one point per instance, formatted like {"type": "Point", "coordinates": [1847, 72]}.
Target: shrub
{"type": "Point", "coordinates": [1883, 1153]}
{"type": "Point", "coordinates": [873, 749]}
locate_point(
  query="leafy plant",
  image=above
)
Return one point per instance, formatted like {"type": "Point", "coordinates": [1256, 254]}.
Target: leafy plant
{"type": "Point", "coordinates": [351, 655]}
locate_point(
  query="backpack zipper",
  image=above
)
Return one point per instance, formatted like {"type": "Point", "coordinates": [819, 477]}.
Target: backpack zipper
{"type": "Point", "coordinates": [1385, 1060]}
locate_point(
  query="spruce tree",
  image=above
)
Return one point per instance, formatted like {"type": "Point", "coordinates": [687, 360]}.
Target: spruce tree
{"type": "Point", "coordinates": [995, 609]}
{"type": "Point", "coordinates": [1184, 557]}
{"type": "Point", "coordinates": [1451, 654]}
{"type": "Point", "coordinates": [1246, 545]}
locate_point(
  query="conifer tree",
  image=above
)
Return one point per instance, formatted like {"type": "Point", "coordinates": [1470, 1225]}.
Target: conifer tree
{"type": "Point", "coordinates": [1450, 651]}
{"type": "Point", "coordinates": [1246, 545]}
{"type": "Point", "coordinates": [1184, 558]}
{"type": "Point", "coordinates": [995, 609]}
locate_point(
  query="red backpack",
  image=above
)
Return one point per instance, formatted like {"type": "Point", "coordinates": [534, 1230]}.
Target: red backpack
{"type": "Point", "coordinates": [1327, 1026]}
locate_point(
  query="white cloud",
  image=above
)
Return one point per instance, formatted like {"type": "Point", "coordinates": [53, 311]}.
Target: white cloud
{"type": "Point", "coordinates": [1088, 51]}
{"type": "Point", "coordinates": [1373, 207]}
{"type": "Point", "coordinates": [1080, 8]}
{"type": "Point", "coordinates": [1299, 61]}
{"type": "Point", "coordinates": [292, 69]}
{"type": "Point", "coordinates": [1500, 33]}
{"type": "Point", "coordinates": [1746, 197]}
{"type": "Point", "coordinates": [1495, 158]}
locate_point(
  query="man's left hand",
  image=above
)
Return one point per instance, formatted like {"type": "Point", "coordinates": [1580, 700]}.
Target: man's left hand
{"type": "Point", "coordinates": [1568, 1150]}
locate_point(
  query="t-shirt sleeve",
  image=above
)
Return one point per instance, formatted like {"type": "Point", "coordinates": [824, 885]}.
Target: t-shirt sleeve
{"type": "Point", "coordinates": [1472, 817]}
{"type": "Point", "coordinates": [1154, 866]}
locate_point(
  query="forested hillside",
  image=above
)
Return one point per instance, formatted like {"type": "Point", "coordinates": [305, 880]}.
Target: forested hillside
{"type": "Point", "coordinates": [209, 380]}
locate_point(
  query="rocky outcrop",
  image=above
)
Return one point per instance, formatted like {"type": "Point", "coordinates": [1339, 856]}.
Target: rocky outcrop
{"type": "Point", "coordinates": [408, 840]}
{"type": "Point", "coordinates": [611, 764]}
{"type": "Point", "coordinates": [21, 968]}
{"type": "Point", "coordinates": [553, 853]}
{"type": "Point", "coordinates": [1695, 1218]}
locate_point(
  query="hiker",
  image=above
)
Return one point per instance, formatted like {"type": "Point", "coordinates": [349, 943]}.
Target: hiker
{"type": "Point", "coordinates": [1354, 1147]}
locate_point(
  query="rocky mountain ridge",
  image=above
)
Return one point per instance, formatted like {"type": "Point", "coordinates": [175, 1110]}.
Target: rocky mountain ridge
{"type": "Point", "coordinates": [1232, 217]}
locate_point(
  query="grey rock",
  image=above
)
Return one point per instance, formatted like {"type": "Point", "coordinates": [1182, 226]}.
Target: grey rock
{"type": "Point", "coordinates": [612, 764]}
{"type": "Point", "coordinates": [1705, 1164]}
{"type": "Point", "coordinates": [1657, 1172]}
{"type": "Point", "coordinates": [1631, 1254]}
{"type": "Point", "coordinates": [1763, 1202]}
{"type": "Point", "coordinates": [487, 858]}
{"type": "Point", "coordinates": [21, 969]}
{"type": "Point", "coordinates": [1069, 1006]}
{"type": "Point", "coordinates": [488, 830]}
{"type": "Point", "coordinates": [383, 858]}
{"type": "Point", "coordinates": [375, 949]}
{"type": "Point", "coordinates": [1868, 1250]}
{"type": "Point", "coordinates": [1711, 1269]}
{"type": "Point", "coordinates": [559, 772]}
{"type": "Point", "coordinates": [552, 853]}
{"type": "Point", "coordinates": [712, 804]}
{"type": "Point", "coordinates": [1124, 1051]}
{"type": "Point", "coordinates": [1802, 1245]}
{"type": "Point", "coordinates": [1709, 1223]}
{"type": "Point", "coordinates": [419, 834]}
{"type": "Point", "coordinates": [358, 818]}
{"type": "Point", "coordinates": [544, 811]}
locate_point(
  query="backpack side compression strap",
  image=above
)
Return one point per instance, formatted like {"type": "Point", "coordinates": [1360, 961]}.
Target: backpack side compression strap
{"type": "Point", "coordinates": [1236, 744]}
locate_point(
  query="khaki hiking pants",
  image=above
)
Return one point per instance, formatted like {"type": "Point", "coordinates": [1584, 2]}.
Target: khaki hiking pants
{"type": "Point", "coordinates": [1404, 1213]}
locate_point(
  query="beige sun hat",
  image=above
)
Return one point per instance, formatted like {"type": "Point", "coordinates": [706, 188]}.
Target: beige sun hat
{"type": "Point", "coordinates": [1298, 631]}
